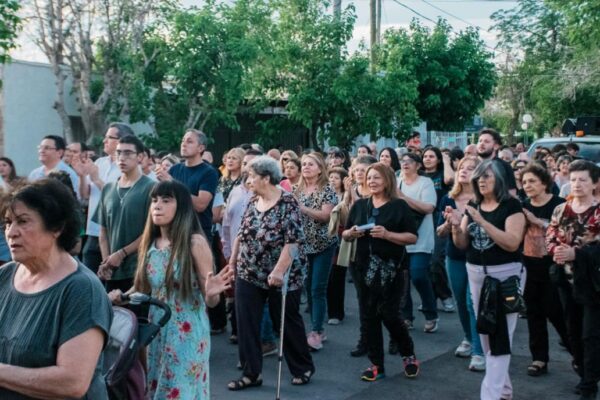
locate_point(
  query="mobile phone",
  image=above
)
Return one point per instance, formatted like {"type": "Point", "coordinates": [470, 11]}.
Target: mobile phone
{"type": "Point", "coordinates": [365, 227]}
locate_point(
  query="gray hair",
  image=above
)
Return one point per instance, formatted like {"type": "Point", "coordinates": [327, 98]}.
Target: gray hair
{"type": "Point", "coordinates": [200, 136]}
{"type": "Point", "coordinates": [500, 186]}
{"type": "Point", "coordinates": [122, 129]}
{"type": "Point", "coordinates": [267, 166]}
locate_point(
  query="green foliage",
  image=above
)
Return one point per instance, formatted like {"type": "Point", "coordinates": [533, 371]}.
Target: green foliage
{"type": "Point", "coordinates": [552, 67]}
{"type": "Point", "coordinates": [455, 75]}
{"type": "Point", "coordinates": [9, 27]}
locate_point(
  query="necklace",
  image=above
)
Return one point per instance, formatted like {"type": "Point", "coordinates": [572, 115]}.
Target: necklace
{"type": "Point", "coordinates": [122, 199]}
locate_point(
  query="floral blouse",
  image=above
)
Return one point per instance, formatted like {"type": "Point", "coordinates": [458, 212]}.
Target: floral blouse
{"type": "Point", "coordinates": [317, 238]}
{"type": "Point", "coordinates": [568, 227]}
{"type": "Point", "coordinates": [262, 237]}
{"type": "Point", "coordinates": [226, 185]}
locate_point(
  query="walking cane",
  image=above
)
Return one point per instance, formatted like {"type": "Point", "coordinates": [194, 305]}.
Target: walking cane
{"type": "Point", "coordinates": [284, 289]}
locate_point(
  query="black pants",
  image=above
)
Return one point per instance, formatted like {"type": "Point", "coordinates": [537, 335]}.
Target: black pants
{"type": "Point", "coordinates": [543, 303]}
{"type": "Point", "coordinates": [591, 349]}
{"type": "Point", "coordinates": [336, 291]}
{"type": "Point", "coordinates": [383, 306]}
{"type": "Point", "coordinates": [359, 284]}
{"type": "Point", "coordinates": [91, 253]}
{"type": "Point", "coordinates": [217, 315]}
{"type": "Point", "coordinates": [437, 269]}
{"type": "Point", "coordinates": [250, 300]}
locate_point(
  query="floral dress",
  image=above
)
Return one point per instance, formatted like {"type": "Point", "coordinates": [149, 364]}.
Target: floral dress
{"type": "Point", "coordinates": [178, 356]}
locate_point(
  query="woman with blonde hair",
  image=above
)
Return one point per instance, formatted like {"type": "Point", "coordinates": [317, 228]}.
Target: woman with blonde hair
{"type": "Point", "coordinates": [456, 263]}
{"type": "Point", "coordinates": [232, 175]}
{"type": "Point", "coordinates": [317, 199]}
{"type": "Point", "coordinates": [285, 157]}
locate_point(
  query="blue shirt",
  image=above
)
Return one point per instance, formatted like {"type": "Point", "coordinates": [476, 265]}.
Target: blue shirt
{"type": "Point", "coordinates": [39, 173]}
{"type": "Point", "coordinates": [201, 177]}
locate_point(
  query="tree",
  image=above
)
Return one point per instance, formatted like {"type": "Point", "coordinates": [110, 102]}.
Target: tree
{"type": "Point", "coordinates": [94, 42]}
{"type": "Point", "coordinates": [9, 26]}
{"type": "Point", "coordinates": [455, 75]}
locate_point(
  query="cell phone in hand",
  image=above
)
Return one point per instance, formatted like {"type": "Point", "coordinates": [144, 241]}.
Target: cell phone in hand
{"type": "Point", "coordinates": [365, 227]}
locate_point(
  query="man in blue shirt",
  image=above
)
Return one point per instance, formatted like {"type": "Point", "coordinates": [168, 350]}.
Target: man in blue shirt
{"type": "Point", "coordinates": [199, 177]}
{"type": "Point", "coordinates": [51, 151]}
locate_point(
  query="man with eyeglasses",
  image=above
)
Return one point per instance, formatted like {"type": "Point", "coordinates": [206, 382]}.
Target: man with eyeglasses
{"type": "Point", "coordinates": [93, 176]}
{"type": "Point", "coordinates": [50, 153]}
{"type": "Point", "coordinates": [121, 214]}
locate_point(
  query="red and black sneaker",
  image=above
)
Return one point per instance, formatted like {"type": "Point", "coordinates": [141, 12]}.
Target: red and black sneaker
{"type": "Point", "coordinates": [372, 374]}
{"type": "Point", "coordinates": [411, 366]}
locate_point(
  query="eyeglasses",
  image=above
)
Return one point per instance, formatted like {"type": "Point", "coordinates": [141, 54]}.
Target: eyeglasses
{"type": "Point", "coordinates": [111, 137]}
{"type": "Point", "coordinates": [407, 161]}
{"type": "Point", "coordinates": [284, 159]}
{"type": "Point", "coordinates": [126, 153]}
{"type": "Point", "coordinates": [46, 148]}
{"type": "Point", "coordinates": [374, 214]}
{"type": "Point", "coordinates": [518, 168]}
{"type": "Point", "coordinates": [486, 176]}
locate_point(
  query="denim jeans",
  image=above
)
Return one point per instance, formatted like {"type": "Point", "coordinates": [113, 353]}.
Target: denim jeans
{"type": "Point", "coordinates": [419, 276]}
{"type": "Point", "coordinates": [319, 266]}
{"type": "Point", "coordinates": [459, 280]}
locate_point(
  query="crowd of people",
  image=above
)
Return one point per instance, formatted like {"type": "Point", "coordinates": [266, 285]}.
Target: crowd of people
{"type": "Point", "coordinates": [487, 231]}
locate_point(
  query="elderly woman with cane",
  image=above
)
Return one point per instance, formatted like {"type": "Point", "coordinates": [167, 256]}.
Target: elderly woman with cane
{"type": "Point", "coordinates": [270, 234]}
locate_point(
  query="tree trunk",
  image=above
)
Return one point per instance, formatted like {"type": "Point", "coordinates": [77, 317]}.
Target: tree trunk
{"type": "Point", "coordinates": [373, 26]}
{"type": "Point", "coordinates": [94, 121]}
{"type": "Point", "coordinates": [378, 28]}
{"type": "Point", "coordinates": [337, 9]}
{"type": "Point", "coordinates": [59, 104]}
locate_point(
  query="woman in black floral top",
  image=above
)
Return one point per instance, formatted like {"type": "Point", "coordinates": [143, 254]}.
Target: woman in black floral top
{"type": "Point", "coordinates": [317, 200]}
{"type": "Point", "coordinates": [269, 243]}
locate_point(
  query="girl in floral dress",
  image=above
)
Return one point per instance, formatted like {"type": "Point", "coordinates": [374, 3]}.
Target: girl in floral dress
{"type": "Point", "coordinates": [178, 271]}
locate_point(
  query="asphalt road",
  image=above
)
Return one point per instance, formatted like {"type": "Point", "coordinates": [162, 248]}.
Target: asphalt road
{"type": "Point", "coordinates": [443, 376]}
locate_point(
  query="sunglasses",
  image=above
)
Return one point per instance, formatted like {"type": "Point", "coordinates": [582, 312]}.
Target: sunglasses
{"type": "Point", "coordinates": [373, 217]}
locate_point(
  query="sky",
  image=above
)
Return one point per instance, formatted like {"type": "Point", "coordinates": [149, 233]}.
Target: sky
{"type": "Point", "coordinates": [394, 14]}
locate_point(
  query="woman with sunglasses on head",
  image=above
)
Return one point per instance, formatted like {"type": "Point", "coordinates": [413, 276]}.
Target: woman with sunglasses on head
{"type": "Point", "coordinates": [517, 167]}
{"type": "Point", "coordinates": [491, 232]}
{"type": "Point", "coordinates": [380, 256]}
{"type": "Point", "coordinates": [285, 157]}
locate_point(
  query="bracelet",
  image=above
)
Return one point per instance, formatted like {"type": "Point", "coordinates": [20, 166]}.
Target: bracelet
{"type": "Point", "coordinates": [124, 252]}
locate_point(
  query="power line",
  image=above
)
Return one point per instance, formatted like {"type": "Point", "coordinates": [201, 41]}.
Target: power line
{"type": "Point", "coordinates": [453, 16]}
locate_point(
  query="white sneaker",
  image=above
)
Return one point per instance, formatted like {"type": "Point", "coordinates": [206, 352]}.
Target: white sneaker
{"type": "Point", "coordinates": [431, 325]}
{"type": "Point", "coordinates": [477, 364]}
{"type": "Point", "coordinates": [464, 349]}
{"type": "Point", "coordinates": [448, 305]}
{"type": "Point", "coordinates": [334, 321]}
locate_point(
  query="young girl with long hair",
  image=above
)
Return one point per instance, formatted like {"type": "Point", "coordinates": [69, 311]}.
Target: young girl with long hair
{"type": "Point", "coordinates": [175, 266]}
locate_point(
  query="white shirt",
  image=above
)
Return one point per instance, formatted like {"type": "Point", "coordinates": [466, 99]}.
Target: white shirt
{"type": "Point", "coordinates": [108, 171]}
{"type": "Point", "coordinates": [422, 190]}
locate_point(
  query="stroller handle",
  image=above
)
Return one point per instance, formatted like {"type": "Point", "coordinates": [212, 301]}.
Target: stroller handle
{"type": "Point", "coordinates": [141, 298]}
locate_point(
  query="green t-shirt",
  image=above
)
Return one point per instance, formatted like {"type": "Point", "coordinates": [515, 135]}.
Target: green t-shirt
{"type": "Point", "coordinates": [34, 326]}
{"type": "Point", "coordinates": [124, 214]}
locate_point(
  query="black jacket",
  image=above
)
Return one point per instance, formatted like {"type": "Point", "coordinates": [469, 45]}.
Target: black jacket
{"type": "Point", "coordinates": [586, 274]}
{"type": "Point", "coordinates": [491, 318]}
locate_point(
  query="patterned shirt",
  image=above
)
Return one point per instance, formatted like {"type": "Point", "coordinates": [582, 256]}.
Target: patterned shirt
{"type": "Point", "coordinates": [317, 238]}
{"type": "Point", "coordinates": [262, 237]}
{"type": "Point", "coordinates": [226, 184]}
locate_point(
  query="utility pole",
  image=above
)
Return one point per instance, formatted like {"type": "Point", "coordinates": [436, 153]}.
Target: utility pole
{"type": "Point", "coordinates": [373, 25]}
{"type": "Point", "coordinates": [337, 8]}
{"type": "Point", "coordinates": [379, 21]}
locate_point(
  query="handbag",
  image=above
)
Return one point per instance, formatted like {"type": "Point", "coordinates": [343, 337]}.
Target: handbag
{"type": "Point", "coordinates": [380, 273]}
{"type": "Point", "coordinates": [510, 288]}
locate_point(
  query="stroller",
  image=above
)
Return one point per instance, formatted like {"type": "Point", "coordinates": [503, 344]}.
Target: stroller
{"type": "Point", "coordinates": [122, 368]}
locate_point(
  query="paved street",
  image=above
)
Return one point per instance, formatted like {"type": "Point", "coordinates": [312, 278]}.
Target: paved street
{"type": "Point", "coordinates": [442, 376]}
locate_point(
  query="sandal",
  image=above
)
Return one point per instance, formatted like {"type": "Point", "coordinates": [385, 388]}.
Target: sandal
{"type": "Point", "coordinates": [537, 368]}
{"type": "Point", "coordinates": [244, 382]}
{"type": "Point", "coordinates": [303, 379]}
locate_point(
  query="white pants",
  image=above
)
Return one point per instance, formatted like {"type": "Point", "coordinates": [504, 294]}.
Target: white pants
{"type": "Point", "coordinates": [496, 384]}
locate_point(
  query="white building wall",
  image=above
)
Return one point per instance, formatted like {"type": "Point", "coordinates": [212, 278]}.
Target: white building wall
{"type": "Point", "coordinates": [28, 95]}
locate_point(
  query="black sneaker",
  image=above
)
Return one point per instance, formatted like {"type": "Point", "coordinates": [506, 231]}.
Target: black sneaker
{"type": "Point", "coordinates": [360, 350]}
{"type": "Point", "coordinates": [411, 366]}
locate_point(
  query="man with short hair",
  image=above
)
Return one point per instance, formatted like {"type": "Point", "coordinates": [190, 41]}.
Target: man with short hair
{"type": "Point", "coordinates": [520, 148]}
{"type": "Point", "coordinates": [122, 214]}
{"type": "Point", "coordinates": [147, 164]}
{"type": "Point", "coordinates": [471, 150]}
{"type": "Point", "coordinates": [74, 153]}
{"type": "Point", "coordinates": [93, 176]}
{"type": "Point", "coordinates": [50, 153]}
{"type": "Point", "coordinates": [274, 154]}
{"type": "Point", "coordinates": [506, 155]}
{"type": "Point", "coordinates": [488, 145]}
{"type": "Point", "coordinates": [199, 177]}
{"type": "Point", "coordinates": [573, 149]}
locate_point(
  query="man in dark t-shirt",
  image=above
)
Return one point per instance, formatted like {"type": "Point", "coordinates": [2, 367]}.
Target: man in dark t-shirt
{"type": "Point", "coordinates": [488, 145]}
{"type": "Point", "coordinates": [197, 175]}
